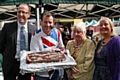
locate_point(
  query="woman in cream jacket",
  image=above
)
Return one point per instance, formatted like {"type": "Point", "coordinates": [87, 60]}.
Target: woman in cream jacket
{"type": "Point", "coordinates": [82, 50]}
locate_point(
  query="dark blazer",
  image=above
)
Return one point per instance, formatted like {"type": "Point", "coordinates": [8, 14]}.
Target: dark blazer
{"type": "Point", "coordinates": [8, 41]}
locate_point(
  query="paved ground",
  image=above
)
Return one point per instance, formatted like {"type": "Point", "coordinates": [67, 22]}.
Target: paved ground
{"type": "Point", "coordinates": [1, 77]}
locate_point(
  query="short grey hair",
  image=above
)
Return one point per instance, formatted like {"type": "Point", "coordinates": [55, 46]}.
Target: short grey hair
{"type": "Point", "coordinates": [80, 25]}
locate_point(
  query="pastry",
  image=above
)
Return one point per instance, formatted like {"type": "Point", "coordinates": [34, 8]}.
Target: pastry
{"type": "Point", "coordinates": [40, 57]}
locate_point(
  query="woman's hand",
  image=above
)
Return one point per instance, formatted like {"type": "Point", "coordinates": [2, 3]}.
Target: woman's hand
{"type": "Point", "coordinates": [74, 70]}
{"type": "Point", "coordinates": [70, 77]}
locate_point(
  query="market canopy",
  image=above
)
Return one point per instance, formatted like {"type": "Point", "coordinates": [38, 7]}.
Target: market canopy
{"type": "Point", "coordinates": [84, 11]}
{"type": "Point", "coordinates": [82, 1]}
{"type": "Point", "coordinates": [71, 9]}
{"type": "Point", "coordinates": [96, 23]}
{"type": "Point", "coordinates": [16, 2]}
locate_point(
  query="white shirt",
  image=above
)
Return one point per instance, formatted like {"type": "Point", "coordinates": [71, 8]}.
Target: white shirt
{"type": "Point", "coordinates": [18, 39]}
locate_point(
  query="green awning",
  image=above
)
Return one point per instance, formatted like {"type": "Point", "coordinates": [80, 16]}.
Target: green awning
{"type": "Point", "coordinates": [17, 2]}
{"type": "Point", "coordinates": [82, 1]}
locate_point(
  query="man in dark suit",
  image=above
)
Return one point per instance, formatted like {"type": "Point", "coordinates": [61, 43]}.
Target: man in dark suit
{"type": "Point", "coordinates": [10, 43]}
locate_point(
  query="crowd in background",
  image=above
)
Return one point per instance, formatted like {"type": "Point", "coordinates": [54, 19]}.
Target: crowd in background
{"type": "Point", "coordinates": [66, 32]}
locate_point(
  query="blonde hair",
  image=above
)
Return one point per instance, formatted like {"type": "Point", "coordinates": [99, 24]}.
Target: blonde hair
{"type": "Point", "coordinates": [113, 33]}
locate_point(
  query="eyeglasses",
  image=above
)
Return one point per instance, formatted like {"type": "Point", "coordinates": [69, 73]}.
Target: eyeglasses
{"type": "Point", "coordinates": [22, 12]}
